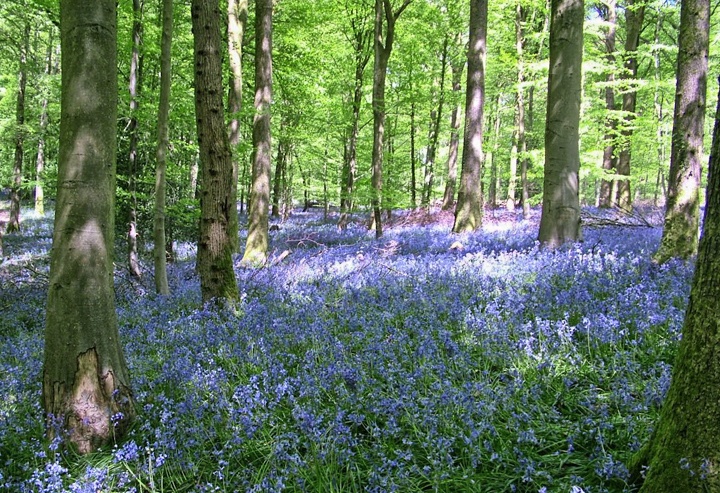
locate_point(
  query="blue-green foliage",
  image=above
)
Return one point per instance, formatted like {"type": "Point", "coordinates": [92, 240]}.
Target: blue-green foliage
{"type": "Point", "coordinates": [363, 365]}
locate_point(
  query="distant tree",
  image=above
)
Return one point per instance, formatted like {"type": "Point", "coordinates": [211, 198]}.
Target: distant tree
{"type": "Point", "coordinates": [237, 20]}
{"type": "Point", "coordinates": [86, 390]}
{"type": "Point", "coordinates": [14, 221]}
{"type": "Point", "coordinates": [50, 69]}
{"type": "Point", "coordinates": [683, 454]}
{"type": "Point", "coordinates": [133, 172]}
{"type": "Point", "coordinates": [215, 249]}
{"type": "Point", "coordinates": [159, 238]}
{"type": "Point", "coordinates": [385, 19]}
{"type": "Point", "coordinates": [256, 247]}
{"type": "Point", "coordinates": [560, 219]}
{"type": "Point", "coordinates": [634, 16]}
{"type": "Point", "coordinates": [682, 208]}
{"type": "Point", "coordinates": [606, 197]}
{"type": "Point", "coordinates": [469, 208]}
{"type": "Point", "coordinates": [456, 69]}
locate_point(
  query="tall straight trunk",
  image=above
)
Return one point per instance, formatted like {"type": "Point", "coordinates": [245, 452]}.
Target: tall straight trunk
{"type": "Point", "coordinates": [214, 257]}
{"type": "Point", "coordinates": [362, 38]}
{"type": "Point", "coordinates": [560, 219]}
{"type": "Point", "coordinates": [435, 120]}
{"type": "Point", "coordinates": [413, 157]}
{"type": "Point", "coordinates": [684, 452]}
{"type": "Point", "coordinates": [682, 209]}
{"type": "Point", "coordinates": [658, 100]}
{"type": "Point", "coordinates": [256, 248]}
{"type": "Point", "coordinates": [607, 193]}
{"type": "Point", "coordinates": [44, 120]}
{"type": "Point", "coordinates": [159, 255]}
{"type": "Point", "coordinates": [521, 137]}
{"type": "Point", "coordinates": [280, 163]}
{"type": "Point", "coordinates": [451, 181]}
{"type": "Point", "coordinates": [469, 208]}
{"type": "Point", "coordinates": [490, 156]}
{"type": "Point", "coordinates": [237, 14]}
{"type": "Point", "coordinates": [385, 20]}
{"type": "Point", "coordinates": [134, 88]}
{"type": "Point", "coordinates": [634, 16]}
{"type": "Point", "coordinates": [86, 388]}
{"type": "Point", "coordinates": [14, 221]}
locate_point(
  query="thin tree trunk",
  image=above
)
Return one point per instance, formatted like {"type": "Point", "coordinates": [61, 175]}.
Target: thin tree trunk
{"type": "Point", "coordinates": [682, 208]}
{"type": "Point", "coordinates": [86, 388]}
{"type": "Point", "coordinates": [451, 182]}
{"type": "Point", "coordinates": [435, 120]}
{"type": "Point", "coordinates": [256, 248]}
{"type": "Point", "coordinates": [214, 257]}
{"type": "Point", "coordinates": [237, 20]}
{"type": "Point", "coordinates": [159, 239]}
{"type": "Point", "coordinates": [134, 88]}
{"type": "Point", "coordinates": [14, 221]}
{"type": "Point", "coordinates": [413, 157]}
{"type": "Point", "coordinates": [490, 156]}
{"type": "Point", "coordinates": [40, 159]}
{"type": "Point", "coordinates": [469, 209]}
{"type": "Point", "coordinates": [609, 164]}
{"type": "Point", "coordinates": [634, 16]}
{"type": "Point", "coordinates": [560, 219]}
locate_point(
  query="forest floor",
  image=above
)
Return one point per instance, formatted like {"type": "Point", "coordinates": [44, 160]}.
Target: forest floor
{"type": "Point", "coordinates": [422, 361]}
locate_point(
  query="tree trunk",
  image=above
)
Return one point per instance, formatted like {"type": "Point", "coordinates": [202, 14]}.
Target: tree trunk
{"type": "Point", "coordinates": [237, 20]}
{"type": "Point", "coordinates": [134, 88]}
{"type": "Point", "coordinates": [560, 219]}
{"type": "Point", "coordinates": [413, 157]}
{"type": "Point", "coordinates": [40, 158]}
{"type": "Point", "coordinates": [490, 156]}
{"type": "Point", "coordinates": [469, 209]}
{"type": "Point", "coordinates": [609, 164]}
{"type": "Point", "coordinates": [86, 389]}
{"type": "Point", "coordinates": [159, 252]}
{"type": "Point", "coordinates": [434, 132]}
{"type": "Point", "coordinates": [684, 452]}
{"type": "Point", "coordinates": [214, 257]}
{"type": "Point", "coordinates": [680, 234]}
{"type": "Point", "coordinates": [451, 182]}
{"type": "Point", "coordinates": [280, 163]}
{"type": "Point", "coordinates": [384, 18]}
{"type": "Point", "coordinates": [634, 15]}
{"type": "Point", "coordinates": [256, 248]}
{"type": "Point", "coordinates": [14, 221]}
{"type": "Point", "coordinates": [362, 37]}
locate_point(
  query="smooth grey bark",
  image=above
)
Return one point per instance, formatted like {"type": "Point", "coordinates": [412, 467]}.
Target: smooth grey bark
{"type": "Point", "coordinates": [50, 68]}
{"type": "Point", "coordinates": [634, 16]}
{"type": "Point", "coordinates": [133, 172]}
{"type": "Point", "coordinates": [682, 208]}
{"type": "Point", "coordinates": [361, 40]}
{"type": "Point", "coordinates": [683, 453]}
{"type": "Point", "coordinates": [256, 248]}
{"type": "Point", "coordinates": [560, 219]}
{"type": "Point", "coordinates": [159, 238]}
{"type": "Point", "coordinates": [469, 208]}
{"type": "Point", "coordinates": [384, 36]}
{"type": "Point", "coordinates": [606, 196]}
{"type": "Point", "coordinates": [14, 221]}
{"type": "Point", "coordinates": [86, 389]}
{"type": "Point", "coordinates": [451, 181]}
{"type": "Point", "coordinates": [215, 249]}
{"type": "Point", "coordinates": [237, 14]}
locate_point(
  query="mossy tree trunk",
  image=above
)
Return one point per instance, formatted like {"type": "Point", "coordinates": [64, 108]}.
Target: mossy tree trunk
{"type": "Point", "coordinates": [684, 452]}
{"type": "Point", "coordinates": [469, 207]}
{"type": "Point", "coordinates": [215, 248]}
{"type": "Point", "coordinates": [256, 247]}
{"type": "Point", "coordinates": [560, 219]}
{"type": "Point", "coordinates": [682, 208]}
{"type": "Point", "coordinates": [86, 391]}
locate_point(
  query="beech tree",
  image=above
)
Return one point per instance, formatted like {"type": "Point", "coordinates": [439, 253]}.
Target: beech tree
{"type": "Point", "coordinates": [159, 239]}
{"type": "Point", "coordinates": [215, 248]}
{"type": "Point", "coordinates": [682, 216]}
{"type": "Point", "coordinates": [560, 219]}
{"type": "Point", "coordinates": [256, 247]}
{"type": "Point", "coordinates": [86, 390]}
{"type": "Point", "coordinates": [469, 207]}
{"type": "Point", "coordinates": [683, 454]}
